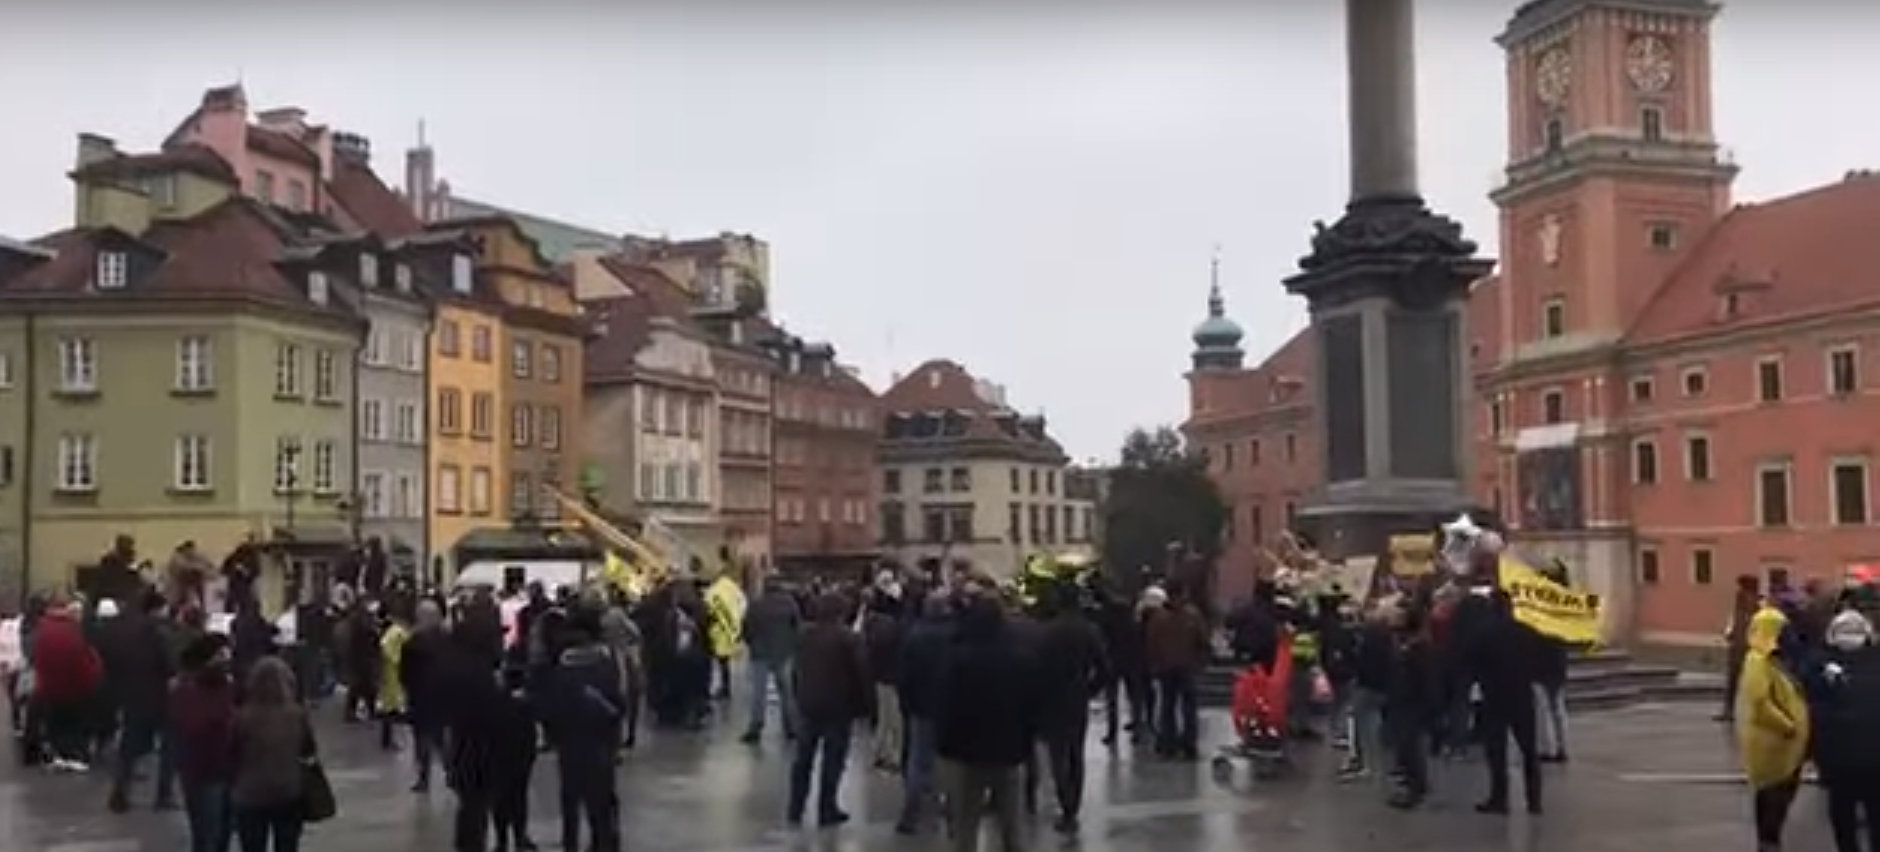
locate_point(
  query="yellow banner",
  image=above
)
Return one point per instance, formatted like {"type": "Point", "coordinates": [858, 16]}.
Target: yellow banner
{"type": "Point", "coordinates": [1548, 607]}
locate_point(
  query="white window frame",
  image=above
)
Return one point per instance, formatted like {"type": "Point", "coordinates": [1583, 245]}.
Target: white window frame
{"type": "Point", "coordinates": [1710, 457]}
{"type": "Point", "coordinates": [287, 379]}
{"type": "Point", "coordinates": [1852, 351]}
{"type": "Point", "coordinates": [521, 358]}
{"type": "Point", "coordinates": [372, 419]}
{"type": "Point", "coordinates": [404, 494]}
{"type": "Point", "coordinates": [1788, 495]}
{"type": "Point", "coordinates": [192, 459]}
{"type": "Point", "coordinates": [548, 427]}
{"type": "Point", "coordinates": [287, 478]}
{"type": "Point", "coordinates": [1553, 393]}
{"type": "Point", "coordinates": [113, 270]}
{"type": "Point", "coordinates": [488, 411]}
{"type": "Point", "coordinates": [521, 425]}
{"type": "Point", "coordinates": [325, 466]}
{"type": "Point", "coordinates": [1658, 463]}
{"type": "Point", "coordinates": [1650, 384]}
{"type": "Point", "coordinates": [372, 494]}
{"type": "Point", "coordinates": [462, 273]}
{"type": "Point", "coordinates": [401, 278]}
{"type": "Point", "coordinates": [405, 423]}
{"type": "Point", "coordinates": [1834, 493]}
{"type": "Point", "coordinates": [1550, 306]}
{"type": "Point", "coordinates": [78, 463]}
{"type": "Point", "coordinates": [449, 489]}
{"type": "Point", "coordinates": [319, 290]}
{"type": "Point", "coordinates": [1691, 567]}
{"type": "Point", "coordinates": [480, 490]}
{"type": "Point", "coordinates": [374, 353]}
{"type": "Point", "coordinates": [369, 269]}
{"type": "Point", "coordinates": [325, 375]}
{"type": "Point", "coordinates": [195, 359]}
{"type": "Point", "coordinates": [521, 492]}
{"type": "Point", "coordinates": [1658, 557]}
{"type": "Point", "coordinates": [548, 366]}
{"type": "Point", "coordinates": [78, 365]}
{"type": "Point", "coordinates": [1782, 380]}
{"type": "Point", "coordinates": [1684, 381]}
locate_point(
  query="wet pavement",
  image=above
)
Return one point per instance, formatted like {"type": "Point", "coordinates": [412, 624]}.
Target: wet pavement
{"type": "Point", "coordinates": [1645, 779]}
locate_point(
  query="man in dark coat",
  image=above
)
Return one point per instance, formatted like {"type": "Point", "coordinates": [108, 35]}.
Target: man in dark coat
{"type": "Point", "coordinates": [833, 690]}
{"type": "Point", "coordinates": [1071, 667]}
{"type": "Point", "coordinates": [920, 672]}
{"type": "Point", "coordinates": [989, 716]}
{"type": "Point", "coordinates": [422, 667]}
{"type": "Point", "coordinates": [582, 708]}
{"type": "Point", "coordinates": [137, 665]}
{"type": "Point", "coordinates": [1500, 655]}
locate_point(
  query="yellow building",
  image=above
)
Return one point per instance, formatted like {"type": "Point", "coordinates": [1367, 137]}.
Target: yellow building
{"type": "Point", "coordinates": [467, 398]}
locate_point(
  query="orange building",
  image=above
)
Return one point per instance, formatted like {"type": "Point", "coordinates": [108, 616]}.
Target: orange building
{"type": "Point", "coordinates": [1671, 387]}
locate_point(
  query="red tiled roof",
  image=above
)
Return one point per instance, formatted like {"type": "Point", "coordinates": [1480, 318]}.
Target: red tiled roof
{"type": "Point", "coordinates": [622, 326]}
{"type": "Point", "coordinates": [190, 157]}
{"type": "Point", "coordinates": [228, 250]}
{"type": "Point", "coordinates": [369, 202]}
{"type": "Point", "coordinates": [274, 143]}
{"type": "Point", "coordinates": [1804, 254]}
{"type": "Point", "coordinates": [954, 389]}
{"type": "Point", "coordinates": [664, 297]}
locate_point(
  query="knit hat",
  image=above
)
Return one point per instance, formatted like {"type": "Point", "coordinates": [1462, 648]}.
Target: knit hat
{"type": "Point", "coordinates": [107, 608]}
{"type": "Point", "coordinates": [1849, 629]}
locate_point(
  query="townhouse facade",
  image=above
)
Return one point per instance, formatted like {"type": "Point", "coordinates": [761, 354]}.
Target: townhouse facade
{"type": "Point", "coordinates": [186, 375]}
{"type": "Point", "coordinates": [969, 483]}
{"type": "Point", "coordinates": [650, 423]}
{"type": "Point", "coordinates": [823, 462]}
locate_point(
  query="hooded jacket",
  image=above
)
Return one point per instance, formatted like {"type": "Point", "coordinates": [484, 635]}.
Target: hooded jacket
{"type": "Point", "coordinates": [1772, 713]}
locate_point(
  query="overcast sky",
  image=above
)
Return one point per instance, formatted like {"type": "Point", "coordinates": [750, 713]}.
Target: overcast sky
{"type": "Point", "coordinates": [1034, 194]}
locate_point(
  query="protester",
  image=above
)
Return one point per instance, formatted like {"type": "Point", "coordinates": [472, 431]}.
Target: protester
{"type": "Point", "coordinates": [921, 671]}
{"type": "Point", "coordinates": [273, 737]}
{"type": "Point", "coordinates": [881, 634]}
{"type": "Point", "coordinates": [771, 627]}
{"type": "Point", "coordinates": [989, 718]}
{"type": "Point", "coordinates": [426, 707]}
{"type": "Point", "coordinates": [1747, 600]}
{"type": "Point", "coordinates": [1772, 726]}
{"type": "Point", "coordinates": [202, 721]}
{"type": "Point", "coordinates": [1499, 655]}
{"type": "Point", "coordinates": [834, 690]}
{"type": "Point", "coordinates": [1071, 667]}
{"type": "Point", "coordinates": [138, 666]}
{"type": "Point", "coordinates": [582, 707]}
{"type": "Point", "coordinates": [1178, 647]}
{"type": "Point", "coordinates": [1844, 692]}
{"type": "Point", "coordinates": [66, 676]}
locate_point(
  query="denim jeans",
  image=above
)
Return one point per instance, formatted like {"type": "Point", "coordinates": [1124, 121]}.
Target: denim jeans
{"type": "Point", "coordinates": [917, 774]}
{"type": "Point", "coordinates": [1367, 729]}
{"type": "Point", "coordinates": [763, 673]}
{"type": "Point", "coordinates": [827, 739]}
{"type": "Point", "coordinates": [207, 807]}
{"type": "Point", "coordinates": [1177, 720]}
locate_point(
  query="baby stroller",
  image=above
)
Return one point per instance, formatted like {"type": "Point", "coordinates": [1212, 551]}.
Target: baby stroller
{"type": "Point", "coordinates": [1259, 715]}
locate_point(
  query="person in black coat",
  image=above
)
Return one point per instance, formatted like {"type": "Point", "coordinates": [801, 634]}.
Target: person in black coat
{"type": "Point", "coordinates": [919, 674]}
{"type": "Point", "coordinates": [1843, 684]}
{"type": "Point", "coordinates": [988, 720]}
{"type": "Point", "coordinates": [136, 656]}
{"type": "Point", "coordinates": [1129, 669]}
{"type": "Point", "coordinates": [1498, 654]}
{"type": "Point", "coordinates": [421, 669]}
{"type": "Point", "coordinates": [469, 704]}
{"type": "Point", "coordinates": [512, 765]}
{"type": "Point", "coordinates": [581, 706]}
{"type": "Point", "coordinates": [1413, 698]}
{"type": "Point", "coordinates": [1071, 667]}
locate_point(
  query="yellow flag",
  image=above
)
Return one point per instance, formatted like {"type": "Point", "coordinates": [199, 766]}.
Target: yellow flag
{"type": "Point", "coordinates": [1549, 607]}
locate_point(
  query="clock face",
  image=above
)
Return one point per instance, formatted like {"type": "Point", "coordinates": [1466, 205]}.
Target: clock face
{"type": "Point", "coordinates": [1553, 75]}
{"type": "Point", "coordinates": [1648, 63]}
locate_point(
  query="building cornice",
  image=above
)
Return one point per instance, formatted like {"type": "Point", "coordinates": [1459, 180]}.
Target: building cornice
{"type": "Point", "coordinates": [92, 306]}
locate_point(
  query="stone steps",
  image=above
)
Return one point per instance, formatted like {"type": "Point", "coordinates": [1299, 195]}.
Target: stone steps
{"type": "Point", "coordinates": [1596, 680]}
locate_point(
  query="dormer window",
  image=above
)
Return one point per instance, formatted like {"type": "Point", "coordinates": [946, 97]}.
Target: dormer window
{"type": "Point", "coordinates": [401, 275]}
{"type": "Point", "coordinates": [795, 362]}
{"type": "Point", "coordinates": [317, 287]}
{"type": "Point", "coordinates": [461, 271]}
{"type": "Point", "coordinates": [369, 269]}
{"type": "Point", "coordinates": [113, 270]}
{"type": "Point", "coordinates": [737, 335]}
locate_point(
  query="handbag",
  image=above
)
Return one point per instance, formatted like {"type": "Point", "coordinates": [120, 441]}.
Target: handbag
{"type": "Point", "coordinates": [317, 802]}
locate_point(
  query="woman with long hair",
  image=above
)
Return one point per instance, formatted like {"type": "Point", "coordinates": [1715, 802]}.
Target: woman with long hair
{"type": "Point", "coordinates": [272, 742]}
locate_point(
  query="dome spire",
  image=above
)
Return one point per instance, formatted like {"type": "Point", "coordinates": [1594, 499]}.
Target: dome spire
{"type": "Point", "coordinates": [1217, 338]}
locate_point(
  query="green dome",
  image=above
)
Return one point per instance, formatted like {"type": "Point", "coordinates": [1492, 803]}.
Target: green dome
{"type": "Point", "coordinates": [1217, 332]}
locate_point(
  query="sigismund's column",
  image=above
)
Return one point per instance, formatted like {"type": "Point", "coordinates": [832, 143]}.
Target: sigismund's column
{"type": "Point", "coordinates": [1386, 288]}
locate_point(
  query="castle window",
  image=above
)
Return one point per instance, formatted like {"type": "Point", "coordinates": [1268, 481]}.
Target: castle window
{"type": "Point", "coordinates": [1554, 318]}
{"type": "Point", "coordinates": [1651, 123]}
{"type": "Point", "coordinates": [1554, 133]}
{"type": "Point", "coordinates": [1664, 237]}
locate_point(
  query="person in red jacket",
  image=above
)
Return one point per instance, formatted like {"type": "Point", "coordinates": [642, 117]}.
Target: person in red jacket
{"type": "Point", "coordinates": [66, 674]}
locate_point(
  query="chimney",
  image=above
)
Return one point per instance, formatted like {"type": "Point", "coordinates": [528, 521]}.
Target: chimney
{"type": "Point", "coordinates": [93, 148]}
{"type": "Point", "coordinates": [283, 118]}
{"type": "Point", "coordinates": [352, 148]}
{"type": "Point", "coordinates": [420, 179]}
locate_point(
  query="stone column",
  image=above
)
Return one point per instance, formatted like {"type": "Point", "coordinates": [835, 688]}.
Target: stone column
{"type": "Point", "coordinates": [1380, 37]}
{"type": "Point", "coordinates": [1386, 286]}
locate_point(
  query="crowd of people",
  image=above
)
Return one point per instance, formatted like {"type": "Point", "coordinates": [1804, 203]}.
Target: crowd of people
{"type": "Point", "coordinates": [1804, 687]}
{"type": "Point", "coordinates": [972, 692]}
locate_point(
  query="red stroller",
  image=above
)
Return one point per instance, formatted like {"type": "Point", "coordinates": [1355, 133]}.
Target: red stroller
{"type": "Point", "coordinates": [1259, 716]}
